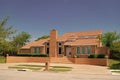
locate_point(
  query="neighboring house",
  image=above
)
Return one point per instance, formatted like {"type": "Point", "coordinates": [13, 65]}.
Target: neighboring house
{"type": "Point", "coordinates": [80, 44]}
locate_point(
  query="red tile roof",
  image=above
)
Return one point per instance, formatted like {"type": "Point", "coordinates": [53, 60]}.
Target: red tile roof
{"type": "Point", "coordinates": [77, 34]}
{"type": "Point", "coordinates": [70, 35]}
{"type": "Point", "coordinates": [35, 44]}
{"type": "Point", "coordinates": [83, 42]}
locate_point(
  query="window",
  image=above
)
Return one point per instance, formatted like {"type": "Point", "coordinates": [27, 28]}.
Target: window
{"type": "Point", "coordinates": [59, 44]}
{"type": "Point", "coordinates": [47, 50]}
{"type": "Point", "coordinates": [38, 49]}
{"type": "Point", "coordinates": [88, 49]}
{"type": "Point", "coordinates": [60, 50]}
{"type": "Point", "coordinates": [78, 50]}
{"type": "Point", "coordinates": [83, 50]}
{"type": "Point", "coordinates": [35, 50]}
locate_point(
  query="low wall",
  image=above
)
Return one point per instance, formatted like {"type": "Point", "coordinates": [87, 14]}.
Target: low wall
{"type": "Point", "coordinates": [62, 60]}
{"type": "Point", "coordinates": [91, 61]}
{"type": "Point", "coordinates": [14, 59]}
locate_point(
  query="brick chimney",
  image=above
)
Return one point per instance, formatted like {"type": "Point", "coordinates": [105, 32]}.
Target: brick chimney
{"type": "Point", "coordinates": [53, 43]}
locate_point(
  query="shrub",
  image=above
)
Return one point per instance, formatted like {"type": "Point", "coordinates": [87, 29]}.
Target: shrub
{"type": "Point", "coordinates": [100, 56]}
{"type": "Point", "coordinates": [1, 54]}
{"type": "Point", "coordinates": [92, 56]}
{"type": "Point", "coordinates": [114, 55]}
{"type": "Point", "coordinates": [31, 55]}
{"type": "Point", "coordinates": [115, 66]}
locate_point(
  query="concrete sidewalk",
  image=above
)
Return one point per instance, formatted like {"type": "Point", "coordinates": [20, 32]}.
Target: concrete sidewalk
{"type": "Point", "coordinates": [77, 68]}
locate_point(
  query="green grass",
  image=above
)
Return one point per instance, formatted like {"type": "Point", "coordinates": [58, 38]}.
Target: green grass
{"type": "Point", "coordinates": [113, 61]}
{"type": "Point", "coordinates": [116, 71]}
{"type": "Point", "coordinates": [39, 67]}
{"type": "Point", "coordinates": [23, 67]}
{"type": "Point", "coordinates": [114, 64]}
{"type": "Point", "coordinates": [2, 59]}
{"type": "Point", "coordinates": [31, 65]}
{"type": "Point", "coordinates": [60, 68]}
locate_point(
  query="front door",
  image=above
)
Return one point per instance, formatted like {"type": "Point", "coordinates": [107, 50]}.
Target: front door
{"type": "Point", "coordinates": [68, 51]}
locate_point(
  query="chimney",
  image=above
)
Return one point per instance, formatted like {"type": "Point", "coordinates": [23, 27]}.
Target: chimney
{"type": "Point", "coordinates": [53, 43]}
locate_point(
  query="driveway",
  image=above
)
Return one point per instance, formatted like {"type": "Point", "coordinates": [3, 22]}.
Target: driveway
{"type": "Point", "coordinates": [79, 72]}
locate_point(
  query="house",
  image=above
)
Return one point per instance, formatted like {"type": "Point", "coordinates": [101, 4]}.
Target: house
{"type": "Point", "coordinates": [70, 44]}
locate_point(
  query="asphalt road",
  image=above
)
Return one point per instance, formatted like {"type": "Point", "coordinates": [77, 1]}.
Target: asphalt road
{"type": "Point", "coordinates": [29, 75]}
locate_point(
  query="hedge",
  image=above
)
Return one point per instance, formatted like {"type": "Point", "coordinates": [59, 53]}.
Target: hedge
{"type": "Point", "coordinates": [30, 55]}
{"type": "Point", "coordinates": [96, 56]}
{"type": "Point", "coordinates": [92, 56]}
{"type": "Point", "coordinates": [100, 56]}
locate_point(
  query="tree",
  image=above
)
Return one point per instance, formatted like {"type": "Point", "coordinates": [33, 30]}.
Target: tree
{"type": "Point", "coordinates": [116, 50]}
{"type": "Point", "coordinates": [5, 32]}
{"type": "Point", "coordinates": [6, 47]}
{"type": "Point", "coordinates": [109, 38]}
{"type": "Point", "coordinates": [21, 39]}
{"type": "Point", "coordinates": [116, 46]}
{"type": "Point", "coordinates": [43, 37]}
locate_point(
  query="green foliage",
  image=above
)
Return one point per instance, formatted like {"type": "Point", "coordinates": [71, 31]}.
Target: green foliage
{"type": "Point", "coordinates": [96, 56]}
{"type": "Point", "coordinates": [8, 44]}
{"type": "Point", "coordinates": [113, 61]}
{"type": "Point", "coordinates": [43, 37]}
{"type": "Point", "coordinates": [2, 59]}
{"type": "Point", "coordinates": [38, 67]}
{"type": "Point", "coordinates": [60, 68]}
{"type": "Point", "coordinates": [100, 56]}
{"type": "Point", "coordinates": [31, 55]}
{"type": "Point", "coordinates": [115, 66]}
{"type": "Point", "coordinates": [92, 56]}
{"type": "Point", "coordinates": [116, 46]}
{"type": "Point", "coordinates": [21, 39]}
{"type": "Point", "coordinates": [108, 38]}
{"type": "Point", "coordinates": [115, 54]}
{"type": "Point", "coordinates": [25, 67]}
{"type": "Point", "coordinates": [1, 54]}
{"type": "Point", "coordinates": [5, 32]}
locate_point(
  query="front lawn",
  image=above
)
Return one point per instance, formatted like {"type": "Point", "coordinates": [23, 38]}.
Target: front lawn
{"type": "Point", "coordinates": [114, 64]}
{"type": "Point", "coordinates": [60, 68]}
{"type": "Point", "coordinates": [39, 67]}
{"type": "Point", "coordinates": [2, 59]}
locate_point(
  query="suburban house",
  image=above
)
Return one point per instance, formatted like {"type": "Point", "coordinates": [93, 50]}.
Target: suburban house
{"type": "Point", "coordinates": [71, 44]}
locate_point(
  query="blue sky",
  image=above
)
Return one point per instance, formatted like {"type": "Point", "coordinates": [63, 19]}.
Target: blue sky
{"type": "Point", "coordinates": [38, 17]}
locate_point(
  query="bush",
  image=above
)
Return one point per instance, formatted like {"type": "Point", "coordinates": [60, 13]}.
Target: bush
{"type": "Point", "coordinates": [1, 54]}
{"type": "Point", "coordinates": [115, 66]}
{"type": "Point", "coordinates": [100, 56]}
{"type": "Point", "coordinates": [114, 55]}
{"type": "Point", "coordinates": [92, 56]}
{"type": "Point", "coordinates": [30, 55]}
{"type": "Point", "coordinates": [96, 56]}
{"type": "Point", "coordinates": [2, 59]}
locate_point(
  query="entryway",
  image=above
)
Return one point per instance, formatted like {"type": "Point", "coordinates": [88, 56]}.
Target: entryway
{"type": "Point", "coordinates": [68, 51]}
